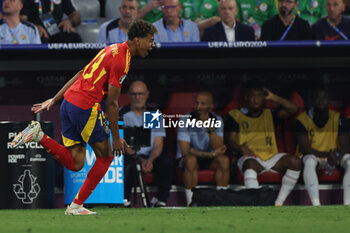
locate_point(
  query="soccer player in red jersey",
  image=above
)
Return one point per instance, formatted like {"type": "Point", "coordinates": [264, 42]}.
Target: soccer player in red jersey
{"type": "Point", "coordinates": [81, 116]}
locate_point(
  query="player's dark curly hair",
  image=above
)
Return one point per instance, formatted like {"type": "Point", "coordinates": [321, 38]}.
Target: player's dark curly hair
{"type": "Point", "coordinates": [141, 28]}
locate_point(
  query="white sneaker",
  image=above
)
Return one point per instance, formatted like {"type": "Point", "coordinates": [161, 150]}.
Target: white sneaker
{"type": "Point", "coordinates": [79, 210]}
{"type": "Point", "coordinates": [155, 202]}
{"type": "Point", "coordinates": [32, 133]}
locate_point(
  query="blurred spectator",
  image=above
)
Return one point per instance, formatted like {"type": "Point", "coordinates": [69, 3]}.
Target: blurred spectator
{"type": "Point", "coordinates": [173, 28]}
{"type": "Point", "coordinates": [47, 16]}
{"type": "Point", "coordinates": [150, 10]}
{"type": "Point", "coordinates": [202, 12]}
{"type": "Point", "coordinates": [228, 29]}
{"type": "Point", "coordinates": [116, 30]}
{"type": "Point", "coordinates": [12, 30]}
{"type": "Point", "coordinates": [152, 157]}
{"type": "Point", "coordinates": [202, 147]}
{"type": "Point", "coordinates": [324, 144]}
{"type": "Point", "coordinates": [311, 10]}
{"type": "Point", "coordinates": [255, 13]}
{"type": "Point", "coordinates": [334, 26]}
{"type": "Point", "coordinates": [286, 25]}
{"type": "Point", "coordinates": [251, 132]}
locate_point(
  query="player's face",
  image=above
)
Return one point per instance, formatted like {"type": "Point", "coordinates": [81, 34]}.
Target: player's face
{"type": "Point", "coordinates": [128, 10]}
{"type": "Point", "coordinates": [334, 8]}
{"type": "Point", "coordinates": [321, 100]}
{"type": "Point", "coordinates": [171, 9]}
{"type": "Point", "coordinates": [145, 45]}
{"type": "Point", "coordinates": [203, 104]}
{"type": "Point", "coordinates": [286, 7]}
{"type": "Point", "coordinates": [11, 6]}
{"type": "Point", "coordinates": [255, 99]}
{"type": "Point", "coordinates": [228, 11]}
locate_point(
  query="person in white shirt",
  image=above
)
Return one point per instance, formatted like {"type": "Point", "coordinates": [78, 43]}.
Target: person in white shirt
{"type": "Point", "coordinates": [228, 29]}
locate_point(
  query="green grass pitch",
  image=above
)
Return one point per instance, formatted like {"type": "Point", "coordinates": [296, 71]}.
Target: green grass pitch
{"type": "Point", "coordinates": [294, 219]}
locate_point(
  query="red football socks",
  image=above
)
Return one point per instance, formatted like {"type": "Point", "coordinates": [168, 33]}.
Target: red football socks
{"type": "Point", "coordinates": [94, 176]}
{"type": "Point", "coordinates": [59, 152]}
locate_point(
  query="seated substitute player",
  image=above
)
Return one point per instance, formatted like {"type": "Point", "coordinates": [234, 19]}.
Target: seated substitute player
{"type": "Point", "coordinates": [116, 30]}
{"type": "Point", "coordinates": [251, 132]}
{"type": "Point", "coordinates": [12, 29]}
{"type": "Point", "coordinates": [334, 26]}
{"type": "Point", "coordinates": [323, 141]}
{"type": "Point", "coordinates": [81, 116]}
{"type": "Point", "coordinates": [202, 148]}
{"type": "Point", "coordinates": [152, 157]}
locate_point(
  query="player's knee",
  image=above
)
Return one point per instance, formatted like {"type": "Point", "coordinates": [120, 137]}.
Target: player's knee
{"type": "Point", "coordinates": [294, 162]}
{"type": "Point", "coordinates": [310, 162]}
{"type": "Point", "coordinates": [190, 162]}
{"type": "Point", "coordinates": [78, 165]}
{"type": "Point", "coordinates": [250, 164]}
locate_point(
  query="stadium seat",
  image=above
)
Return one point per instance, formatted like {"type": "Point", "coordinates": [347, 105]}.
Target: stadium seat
{"type": "Point", "coordinates": [112, 8]}
{"type": "Point", "coordinates": [88, 8]}
{"type": "Point", "coordinates": [89, 29]}
{"type": "Point", "coordinates": [123, 100]}
{"type": "Point", "coordinates": [336, 176]}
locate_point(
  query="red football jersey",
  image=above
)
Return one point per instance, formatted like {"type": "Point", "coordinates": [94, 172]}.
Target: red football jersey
{"type": "Point", "coordinates": [109, 66]}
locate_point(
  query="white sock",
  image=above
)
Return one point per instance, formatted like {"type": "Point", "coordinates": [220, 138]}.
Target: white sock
{"type": "Point", "coordinates": [346, 183]}
{"type": "Point", "coordinates": [189, 195]}
{"type": "Point", "coordinates": [221, 187]}
{"type": "Point", "coordinates": [75, 206]}
{"type": "Point", "coordinates": [250, 179]}
{"type": "Point", "coordinates": [39, 136]}
{"type": "Point", "coordinates": [289, 180]}
{"type": "Point", "coordinates": [311, 180]}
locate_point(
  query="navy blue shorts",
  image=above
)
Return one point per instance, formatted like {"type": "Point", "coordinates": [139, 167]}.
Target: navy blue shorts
{"type": "Point", "coordinates": [82, 126]}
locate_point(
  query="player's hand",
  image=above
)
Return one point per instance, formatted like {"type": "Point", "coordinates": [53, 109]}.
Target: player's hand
{"type": "Point", "coordinates": [43, 106]}
{"type": "Point", "coordinates": [220, 150]}
{"type": "Point", "coordinates": [66, 26]}
{"type": "Point", "coordinates": [153, 4]}
{"type": "Point", "coordinates": [268, 93]}
{"type": "Point", "coordinates": [332, 159]}
{"type": "Point", "coordinates": [42, 31]}
{"type": "Point", "coordinates": [247, 152]}
{"type": "Point", "coordinates": [119, 145]}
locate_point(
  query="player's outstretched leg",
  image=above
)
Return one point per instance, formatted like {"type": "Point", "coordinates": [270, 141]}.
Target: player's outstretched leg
{"type": "Point", "coordinates": [34, 133]}
{"type": "Point", "coordinates": [94, 176]}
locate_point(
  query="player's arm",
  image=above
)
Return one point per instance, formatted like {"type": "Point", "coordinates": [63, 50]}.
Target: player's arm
{"type": "Point", "coordinates": [289, 108]}
{"type": "Point", "coordinates": [305, 148]}
{"type": "Point", "coordinates": [50, 102]}
{"type": "Point", "coordinates": [156, 151]}
{"type": "Point", "coordinates": [150, 6]}
{"type": "Point", "coordinates": [157, 148]}
{"type": "Point", "coordinates": [231, 139]}
{"type": "Point", "coordinates": [186, 150]}
{"type": "Point", "coordinates": [112, 108]}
